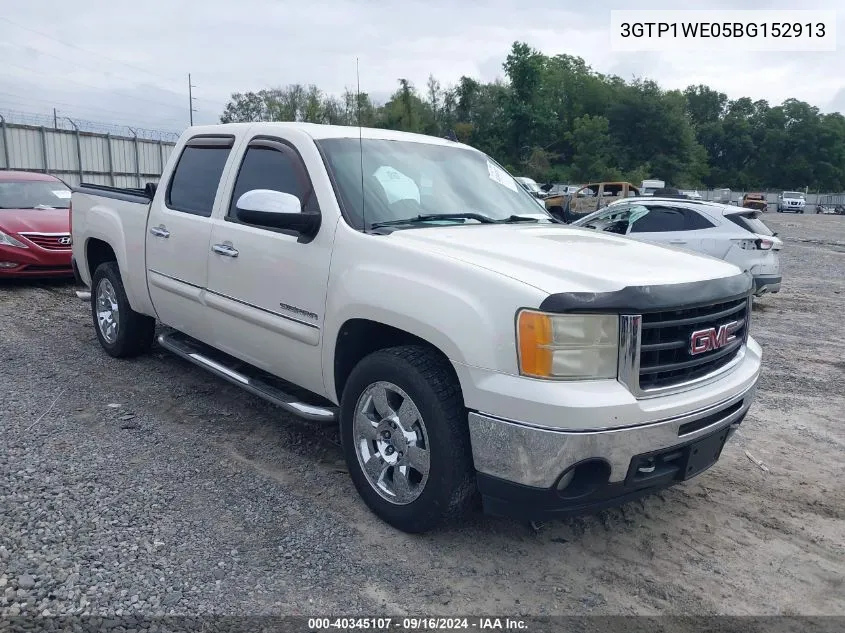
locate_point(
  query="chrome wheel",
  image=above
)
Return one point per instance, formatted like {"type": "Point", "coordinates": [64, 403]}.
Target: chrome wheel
{"type": "Point", "coordinates": [108, 313]}
{"type": "Point", "coordinates": [391, 443]}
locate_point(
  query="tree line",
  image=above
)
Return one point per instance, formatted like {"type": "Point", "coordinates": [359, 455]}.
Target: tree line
{"type": "Point", "coordinates": [555, 119]}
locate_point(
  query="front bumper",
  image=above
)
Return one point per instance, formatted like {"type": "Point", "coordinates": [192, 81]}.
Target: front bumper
{"type": "Point", "coordinates": [766, 283]}
{"type": "Point", "coordinates": [542, 473]}
{"type": "Point", "coordinates": [34, 262]}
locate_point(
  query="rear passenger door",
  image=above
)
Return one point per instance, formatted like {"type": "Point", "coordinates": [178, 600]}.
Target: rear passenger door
{"type": "Point", "coordinates": [178, 235]}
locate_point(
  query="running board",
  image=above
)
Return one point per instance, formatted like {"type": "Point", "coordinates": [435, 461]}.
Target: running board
{"type": "Point", "coordinates": [224, 366]}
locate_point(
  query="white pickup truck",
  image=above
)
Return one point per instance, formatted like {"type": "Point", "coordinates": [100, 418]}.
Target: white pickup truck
{"type": "Point", "coordinates": [408, 289]}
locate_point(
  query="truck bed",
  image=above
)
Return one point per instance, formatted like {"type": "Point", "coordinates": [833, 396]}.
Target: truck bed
{"type": "Point", "coordinates": [115, 219]}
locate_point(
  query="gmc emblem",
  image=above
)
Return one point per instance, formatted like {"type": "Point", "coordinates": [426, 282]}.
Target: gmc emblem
{"type": "Point", "coordinates": [712, 338]}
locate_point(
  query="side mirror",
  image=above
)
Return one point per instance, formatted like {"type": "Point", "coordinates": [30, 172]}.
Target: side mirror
{"type": "Point", "coordinates": [276, 209]}
{"type": "Point", "coordinates": [547, 187]}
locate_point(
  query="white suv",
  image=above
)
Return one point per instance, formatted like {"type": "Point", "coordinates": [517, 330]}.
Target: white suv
{"type": "Point", "coordinates": [791, 201]}
{"type": "Point", "coordinates": [733, 234]}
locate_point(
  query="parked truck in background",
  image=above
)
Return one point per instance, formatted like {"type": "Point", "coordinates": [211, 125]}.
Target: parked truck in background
{"type": "Point", "coordinates": [408, 289]}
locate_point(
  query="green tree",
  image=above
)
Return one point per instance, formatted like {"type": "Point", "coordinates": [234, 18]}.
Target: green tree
{"type": "Point", "coordinates": [555, 117]}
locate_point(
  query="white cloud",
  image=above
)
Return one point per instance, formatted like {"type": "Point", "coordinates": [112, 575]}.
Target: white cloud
{"type": "Point", "coordinates": [128, 61]}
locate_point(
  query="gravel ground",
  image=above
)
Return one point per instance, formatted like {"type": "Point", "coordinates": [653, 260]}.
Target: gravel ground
{"type": "Point", "coordinates": [150, 487]}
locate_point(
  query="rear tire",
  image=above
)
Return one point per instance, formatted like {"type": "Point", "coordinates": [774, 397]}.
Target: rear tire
{"type": "Point", "coordinates": [404, 406]}
{"type": "Point", "coordinates": [122, 332]}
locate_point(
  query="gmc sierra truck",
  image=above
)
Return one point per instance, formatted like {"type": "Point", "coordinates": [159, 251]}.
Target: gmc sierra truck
{"type": "Point", "coordinates": [406, 288]}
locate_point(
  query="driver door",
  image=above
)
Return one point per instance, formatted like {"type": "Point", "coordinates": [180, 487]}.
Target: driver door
{"type": "Point", "coordinates": [267, 286]}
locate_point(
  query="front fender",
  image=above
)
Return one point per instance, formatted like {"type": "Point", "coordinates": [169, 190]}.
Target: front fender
{"type": "Point", "coordinates": [467, 312]}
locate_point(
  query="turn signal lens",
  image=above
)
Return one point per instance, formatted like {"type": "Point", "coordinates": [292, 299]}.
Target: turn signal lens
{"type": "Point", "coordinates": [535, 344]}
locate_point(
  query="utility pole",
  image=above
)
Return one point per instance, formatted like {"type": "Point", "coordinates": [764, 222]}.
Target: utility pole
{"type": "Point", "coordinates": [191, 99]}
{"type": "Point", "coordinates": [55, 120]}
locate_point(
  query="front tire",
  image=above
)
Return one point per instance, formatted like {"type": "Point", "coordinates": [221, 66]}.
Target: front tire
{"type": "Point", "coordinates": [122, 332]}
{"type": "Point", "coordinates": [405, 438]}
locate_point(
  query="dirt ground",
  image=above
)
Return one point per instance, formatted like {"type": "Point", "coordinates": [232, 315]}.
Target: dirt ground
{"type": "Point", "coordinates": [192, 496]}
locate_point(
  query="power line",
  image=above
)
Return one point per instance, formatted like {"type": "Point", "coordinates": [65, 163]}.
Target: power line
{"type": "Point", "coordinates": [87, 85]}
{"type": "Point", "coordinates": [99, 56]}
{"type": "Point", "coordinates": [79, 48]}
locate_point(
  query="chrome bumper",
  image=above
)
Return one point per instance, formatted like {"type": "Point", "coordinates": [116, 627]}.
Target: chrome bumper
{"type": "Point", "coordinates": [530, 456]}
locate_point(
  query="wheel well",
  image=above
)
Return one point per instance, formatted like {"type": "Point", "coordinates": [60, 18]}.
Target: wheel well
{"type": "Point", "coordinates": [98, 252]}
{"type": "Point", "coordinates": [359, 338]}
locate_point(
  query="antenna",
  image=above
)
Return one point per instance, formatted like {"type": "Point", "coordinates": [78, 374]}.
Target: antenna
{"type": "Point", "coordinates": [360, 142]}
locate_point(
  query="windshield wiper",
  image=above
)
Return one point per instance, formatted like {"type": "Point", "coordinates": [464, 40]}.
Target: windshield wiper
{"type": "Point", "coordinates": [480, 217]}
{"type": "Point", "coordinates": [484, 219]}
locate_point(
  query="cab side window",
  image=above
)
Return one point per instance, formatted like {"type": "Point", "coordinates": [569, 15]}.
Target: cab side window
{"type": "Point", "coordinates": [193, 186]}
{"type": "Point", "coordinates": [277, 167]}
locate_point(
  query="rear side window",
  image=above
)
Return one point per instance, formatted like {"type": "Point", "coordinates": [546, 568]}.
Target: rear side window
{"type": "Point", "coordinates": [660, 220]}
{"type": "Point", "coordinates": [193, 186]}
{"type": "Point", "coordinates": [695, 221]}
{"type": "Point", "coordinates": [751, 223]}
{"type": "Point", "coordinates": [667, 219]}
{"type": "Point", "coordinates": [277, 168]}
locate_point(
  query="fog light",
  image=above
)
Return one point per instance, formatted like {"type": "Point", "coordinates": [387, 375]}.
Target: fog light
{"type": "Point", "coordinates": [584, 479]}
{"type": "Point", "coordinates": [9, 264]}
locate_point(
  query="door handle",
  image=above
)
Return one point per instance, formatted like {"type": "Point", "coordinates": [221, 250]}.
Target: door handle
{"type": "Point", "coordinates": [677, 241]}
{"type": "Point", "coordinates": [160, 231]}
{"type": "Point", "coordinates": [225, 249]}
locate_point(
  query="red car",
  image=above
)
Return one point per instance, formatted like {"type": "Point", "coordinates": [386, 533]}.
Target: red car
{"type": "Point", "coordinates": [34, 226]}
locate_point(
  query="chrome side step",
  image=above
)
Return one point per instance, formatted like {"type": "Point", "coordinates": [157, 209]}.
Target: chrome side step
{"type": "Point", "coordinates": [223, 366]}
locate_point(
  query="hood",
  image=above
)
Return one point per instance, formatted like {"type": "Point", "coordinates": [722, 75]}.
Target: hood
{"type": "Point", "coordinates": [35, 220]}
{"type": "Point", "coordinates": [558, 258]}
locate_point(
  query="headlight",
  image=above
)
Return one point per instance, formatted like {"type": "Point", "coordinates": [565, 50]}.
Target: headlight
{"type": "Point", "coordinates": [8, 240]}
{"type": "Point", "coordinates": [567, 346]}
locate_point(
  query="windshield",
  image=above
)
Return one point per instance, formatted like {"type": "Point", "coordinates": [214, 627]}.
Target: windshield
{"type": "Point", "coordinates": [793, 194]}
{"type": "Point", "coordinates": [33, 194]}
{"type": "Point", "coordinates": [750, 222]}
{"type": "Point", "coordinates": [406, 179]}
{"type": "Point", "coordinates": [529, 184]}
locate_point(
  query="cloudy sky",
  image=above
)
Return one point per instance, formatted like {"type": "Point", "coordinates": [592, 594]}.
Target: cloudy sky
{"type": "Point", "coordinates": [126, 62]}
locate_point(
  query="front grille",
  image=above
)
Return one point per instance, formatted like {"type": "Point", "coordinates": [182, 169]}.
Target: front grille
{"type": "Point", "coordinates": [665, 353]}
{"type": "Point", "coordinates": [49, 242]}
